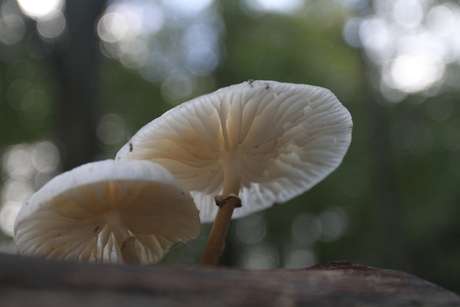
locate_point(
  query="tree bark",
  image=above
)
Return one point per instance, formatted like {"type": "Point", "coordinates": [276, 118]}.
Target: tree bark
{"type": "Point", "coordinates": [26, 281]}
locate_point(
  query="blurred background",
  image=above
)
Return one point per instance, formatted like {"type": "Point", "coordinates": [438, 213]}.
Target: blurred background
{"type": "Point", "coordinates": [79, 77]}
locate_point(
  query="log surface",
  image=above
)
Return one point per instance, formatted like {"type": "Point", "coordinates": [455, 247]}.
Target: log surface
{"type": "Point", "coordinates": [36, 282]}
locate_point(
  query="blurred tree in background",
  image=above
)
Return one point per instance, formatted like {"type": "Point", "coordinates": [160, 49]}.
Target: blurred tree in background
{"type": "Point", "coordinates": [77, 78]}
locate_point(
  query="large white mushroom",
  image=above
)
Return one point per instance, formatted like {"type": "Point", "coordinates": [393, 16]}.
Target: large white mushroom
{"type": "Point", "coordinates": [109, 212]}
{"type": "Point", "coordinates": [263, 141]}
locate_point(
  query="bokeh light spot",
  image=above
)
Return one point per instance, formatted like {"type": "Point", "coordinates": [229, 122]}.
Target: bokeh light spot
{"type": "Point", "coordinates": [187, 7]}
{"type": "Point", "coordinates": [111, 129]}
{"type": "Point", "coordinates": [12, 29]}
{"type": "Point", "coordinates": [39, 9]}
{"type": "Point", "coordinates": [51, 26]}
{"type": "Point", "coordinates": [178, 85]}
{"type": "Point", "coordinates": [45, 157]}
{"type": "Point", "coordinates": [408, 13]}
{"type": "Point", "coordinates": [334, 223]}
{"type": "Point", "coordinates": [374, 33]}
{"type": "Point", "coordinates": [17, 163]}
{"type": "Point", "coordinates": [277, 6]}
{"type": "Point", "coordinates": [306, 229]}
{"type": "Point", "coordinates": [260, 257]}
{"type": "Point", "coordinates": [251, 229]}
{"type": "Point", "coordinates": [112, 27]}
{"type": "Point", "coordinates": [414, 72]}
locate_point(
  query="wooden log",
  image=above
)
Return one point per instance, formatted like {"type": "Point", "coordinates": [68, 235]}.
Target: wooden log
{"type": "Point", "coordinates": [36, 282]}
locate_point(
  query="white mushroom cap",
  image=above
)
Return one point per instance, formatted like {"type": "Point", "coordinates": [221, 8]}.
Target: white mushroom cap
{"type": "Point", "coordinates": [86, 214]}
{"type": "Point", "coordinates": [282, 138]}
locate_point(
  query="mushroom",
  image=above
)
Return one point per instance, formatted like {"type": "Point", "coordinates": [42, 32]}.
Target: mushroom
{"type": "Point", "coordinates": [109, 212]}
{"type": "Point", "coordinates": [263, 141]}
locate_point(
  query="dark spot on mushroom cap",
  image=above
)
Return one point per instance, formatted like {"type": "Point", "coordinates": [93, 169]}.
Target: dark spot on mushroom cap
{"type": "Point", "coordinates": [250, 81]}
{"type": "Point", "coordinates": [267, 87]}
{"type": "Point", "coordinates": [96, 229]}
{"type": "Point", "coordinates": [131, 147]}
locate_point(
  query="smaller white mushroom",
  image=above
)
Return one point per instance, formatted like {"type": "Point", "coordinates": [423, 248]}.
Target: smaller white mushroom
{"type": "Point", "coordinates": [109, 212]}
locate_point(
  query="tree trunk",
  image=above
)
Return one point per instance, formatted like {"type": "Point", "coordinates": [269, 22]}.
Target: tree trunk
{"type": "Point", "coordinates": [76, 62]}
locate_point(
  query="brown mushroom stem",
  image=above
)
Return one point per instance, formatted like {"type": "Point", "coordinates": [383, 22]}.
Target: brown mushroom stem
{"type": "Point", "coordinates": [227, 202]}
{"type": "Point", "coordinates": [219, 229]}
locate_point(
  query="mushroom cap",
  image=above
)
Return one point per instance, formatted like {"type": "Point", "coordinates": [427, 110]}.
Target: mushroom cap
{"type": "Point", "coordinates": [85, 214]}
{"type": "Point", "coordinates": [282, 138]}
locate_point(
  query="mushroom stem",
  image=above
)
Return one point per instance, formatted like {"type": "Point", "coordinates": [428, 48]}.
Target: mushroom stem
{"type": "Point", "coordinates": [219, 229]}
{"type": "Point", "coordinates": [128, 251]}
{"type": "Point", "coordinates": [121, 234]}
{"type": "Point", "coordinates": [227, 202]}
